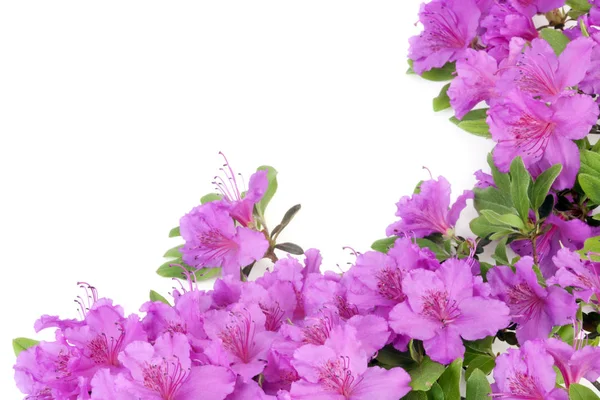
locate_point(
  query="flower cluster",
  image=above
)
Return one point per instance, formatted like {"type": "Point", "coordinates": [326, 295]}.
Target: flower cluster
{"type": "Point", "coordinates": [421, 310]}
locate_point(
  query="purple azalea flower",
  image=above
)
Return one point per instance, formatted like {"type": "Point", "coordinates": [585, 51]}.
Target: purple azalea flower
{"type": "Point", "coordinates": [591, 82]}
{"type": "Point", "coordinates": [428, 211]}
{"type": "Point", "coordinates": [500, 25]}
{"type": "Point", "coordinates": [277, 303]}
{"type": "Point", "coordinates": [535, 309]}
{"type": "Point", "coordinates": [539, 72]}
{"type": "Point", "coordinates": [532, 7]}
{"type": "Point", "coordinates": [449, 28]}
{"type": "Point", "coordinates": [213, 240]}
{"type": "Point", "coordinates": [526, 373]}
{"type": "Point", "coordinates": [279, 373]}
{"type": "Point", "coordinates": [557, 233]}
{"type": "Point", "coordinates": [574, 364]}
{"type": "Point", "coordinates": [542, 135]}
{"type": "Point", "coordinates": [245, 390]}
{"type": "Point", "coordinates": [441, 308]}
{"type": "Point", "coordinates": [582, 275]}
{"type": "Point", "coordinates": [475, 81]}
{"type": "Point", "coordinates": [338, 370]}
{"type": "Point", "coordinates": [163, 372]}
{"type": "Point", "coordinates": [240, 338]}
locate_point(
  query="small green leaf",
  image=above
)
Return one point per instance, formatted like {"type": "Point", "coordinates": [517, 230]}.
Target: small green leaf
{"type": "Point", "coordinates": [566, 333]}
{"type": "Point", "coordinates": [290, 248]}
{"type": "Point", "coordinates": [424, 375]}
{"type": "Point", "coordinates": [501, 180]}
{"type": "Point", "coordinates": [500, 253]}
{"type": "Point", "coordinates": [210, 197]}
{"type": "Point", "coordinates": [591, 245]}
{"type": "Point", "coordinates": [154, 296]}
{"type": "Point", "coordinates": [383, 245]}
{"type": "Point", "coordinates": [503, 220]}
{"type": "Point", "coordinates": [21, 343]}
{"type": "Point", "coordinates": [591, 186]}
{"type": "Point", "coordinates": [442, 101]}
{"type": "Point", "coordinates": [557, 40]}
{"type": "Point", "coordinates": [170, 270]}
{"type": "Point", "coordinates": [493, 199]}
{"type": "Point", "coordinates": [440, 253]}
{"type": "Point", "coordinates": [287, 218]}
{"type": "Point", "coordinates": [501, 234]}
{"type": "Point", "coordinates": [519, 187]}
{"type": "Point", "coordinates": [590, 162]}
{"type": "Point", "coordinates": [580, 392]}
{"type": "Point", "coordinates": [484, 363]}
{"type": "Point", "coordinates": [478, 387]}
{"type": "Point", "coordinates": [474, 122]}
{"type": "Point", "coordinates": [174, 252]}
{"type": "Point", "coordinates": [174, 232]}
{"type": "Point", "coordinates": [271, 189]}
{"type": "Point", "coordinates": [482, 228]}
{"type": "Point", "coordinates": [446, 73]}
{"type": "Point", "coordinates": [542, 185]}
{"type": "Point", "coordinates": [436, 392]}
{"type": "Point", "coordinates": [579, 5]}
{"type": "Point", "coordinates": [450, 380]}
{"type": "Point", "coordinates": [415, 395]}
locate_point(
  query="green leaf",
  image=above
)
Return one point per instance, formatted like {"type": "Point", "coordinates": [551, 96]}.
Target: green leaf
{"type": "Point", "coordinates": [591, 186]}
{"type": "Point", "coordinates": [210, 197]}
{"type": "Point", "coordinates": [482, 228]}
{"type": "Point", "coordinates": [501, 180]}
{"type": "Point", "coordinates": [580, 392]}
{"type": "Point", "coordinates": [474, 122]}
{"type": "Point", "coordinates": [174, 232]}
{"type": "Point", "coordinates": [519, 187]}
{"type": "Point", "coordinates": [446, 73]}
{"type": "Point", "coordinates": [590, 162]}
{"type": "Point", "coordinates": [271, 189]}
{"type": "Point", "coordinates": [503, 220]}
{"type": "Point", "coordinates": [478, 387]}
{"type": "Point", "coordinates": [500, 253]}
{"type": "Point", "coordinates": [290, 248]}
{"type": "Point", "coordinates": [174, 252]}
{"type": "Point", "coordinates": [501, 234]}
{"type": "Point", "coordinates": [440, 253]}
{"type": "Point", "coordinates": [389, 357]}
{"type": "Point", "coordinates": [154, 296]}
{"type": "Point", "coordinates": [21, 343]}
{"type": "Point", "coordinates": [542, 185]}
{"type": "Point", "coordinates": [579, 5]}
{"type": "Point", "coordinates": [435, 393]}
{"type": "Point", "coordinates": [418, 188]}
{"type": "Point", "coordinates": [424, 375]}
{"type": "Point", "coordinates": [416, 395]}
{"type": "Point", "coordinates": [442, 101]}
{"type": "Point", "coordinates": [383, 245]}
{"type": "Point", "coordinates": [287, 218]}
{"type": "Point", "coordinates": [591, 245]}
{"type": "Point", "coordinates": [168, 271]}
{"type": "Point", "coordinates": [493, 199]}
{"type": "Point", "coordinates": [450, 380]}
{"type": "Point", "coordinates": [557, 40]}
{"type": "Point", "coordinates": [485, 363]}
{"type": "Point", "coordinates": [566, 333]}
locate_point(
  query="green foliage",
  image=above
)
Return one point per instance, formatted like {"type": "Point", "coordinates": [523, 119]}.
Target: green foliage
{"type": "Point", "coordinates": [557, 40]}
{"type": "Point", "coordinates": [450, 380]}
{"type": "Point", "coordinates": [154, 296]}
{"type": "Point", "coordinates": [519, 187]}
{"type": "Point", "coordinates": [173, 252]}
{"type": "Point", "coordinates": [436, 392]}
{"type": "Point", "coordinates": [287, 218]}
{"type": "Point", "coordinates": [170, 270]}
{"type": "Point", "coordinates": [425, 374]}
{"type": "Point", "coordinates": [21, 343]}
{"type": "Point", "coordinates": [479, 356]}
{"type": "Point", "coordinates": [591, 245]}
{"type": "Point", "coordinates": [542, 185]}
{"type": "Point", "coordinates": [440, 251]}
{"type": "Point", "coordinates": [446, 73]}
{"type": "Point", "coordinates": [442, 101]}
{"type": "Point", "coordinates": [478, 387]}
{"type": "Point", "coordinates": [591, 186]}
{"type": "Point", "coordinates": [474, 122]}
{"type": "Point", "coordinates": [579, 5]}
{"type": "Point", "coordinates": [271, 189]}
{"type": "Point", "coordinates": [580, 392]}
{"type": "Point", "coordinates": [174, 232]}
{"type": "Point", "coordinates": [210, 198]}
{"type": "Point", "coordinates": [383, 245]}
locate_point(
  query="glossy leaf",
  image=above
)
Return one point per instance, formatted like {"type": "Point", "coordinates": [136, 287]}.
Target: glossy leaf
{"type": "Point", "coordinates": [442, 101]}
{"type": "Point", "coordinates": [590, 162]}
{"type": "Point", "coordinates": [436, 392]}
{"type": "Point", "coordinates": [591, 186]}
{"type": "Point", "coordinates": [154, 296]}
{"type": "Point", "coordinates": [493, 199]}
{"type": "Point", "coordinates": [290, 248]}
{"type": "Point", "coordinates": [450, 380]}
{"type": "Point", "coordinates": [425, 374]}
{"type": "Point", "coordinates": [21, 343]}
{"type": "Point", "coordinates": [478, 387]}
{"type": "Point", "coordinates": [542, 185]}
{"type": "Point", "coordinates": [174, 232]}
{"type": "Point", "coordinates": [383, 245]}
{"type": "Point", "coordinates": [474, 122]}
{"type": "Point", "coordinates": [503, 220]}
{"type": "Point", "coordinates": [287, 218]}
{"type": "Point", "coordinates": [519, 187]}
{"type": "Point", "coordinates": [580, 392]}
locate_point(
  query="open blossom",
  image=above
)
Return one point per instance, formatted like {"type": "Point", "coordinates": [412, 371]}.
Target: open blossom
{"type": "Point", "coordinates": [542, 135]}
{"type": "Point", "coordinates": [213, 240]}
{"type": "Point", "coordinates": [449, 28]}
{"type": "Point", "coordinates": [338, 370]}
{"type": "Point", "coordinates": [163, 372]}
{"type": "Point", "coordinates": [540, 73]}
{"type": "Point", "coordinates": [531, 7]}
{"type": "Point", "coordinates": [574, 364]}
{"type": "Point", "coordinates": [475, 81]}
{"type": "Point", "coordinates": [429, 210]}
{"type": "Point", "coordinates": [526, 373]}
{"type": "Point", "coordinates": [442, 307]}
{"type": "Point", "coordinates": [582, 275]}
{"type": "Point", "coordinates": [535, 309]}
{"type": "Point", "coordinates": [558, 233]}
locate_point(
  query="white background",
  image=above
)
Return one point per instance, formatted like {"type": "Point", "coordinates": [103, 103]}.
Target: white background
{"type": "Point", "coordinates": [112, 114]}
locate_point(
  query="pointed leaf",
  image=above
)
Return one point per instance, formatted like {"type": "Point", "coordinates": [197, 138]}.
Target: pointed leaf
{"type": "Point", "coordinates": [174, 252]}
{"type": "Point", "coordinates": [591, 186]}
{"type": "Point", "coordinates": [474, 122]}
{"type": "Point", "coordinates": [580, 392]}
{"type": "Point", "coordinates": [290, 248]}
{"type": "Point", "coordinates": [271, 189]}
{"type": "Point", "coordinates": [442, 101]}
{"type": "Point", "coordinates": [478, 387]}
{"type": "Point", "coordinates": [210, 198]}
{"type": "Point", "coordinates": [287, 218]}
{"type": "Point", "coordinates": [557, 40]}
{"type": "Point", "coordinates": [154, 296]}
{"type": "Point", "coordinates": [383, 245]}
{"type": "Point", "coordinates": [21, 343]}
{"type": "Point", "coordinates": [446, 73]}
{"type": "Point", "coordinates": [174, 232]}
{"type": "Point", "coordinates": [519, 187]}
{"type": "Point", "coordinates": [542, 185]}
{"type": "Point", "coordinates": [450, 380]}
{"type": "Point", "coordinates": [424, 375]}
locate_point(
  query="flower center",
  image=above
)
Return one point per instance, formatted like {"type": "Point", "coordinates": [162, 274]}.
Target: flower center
{"type": "Point", "coordinates": [238, 337]}
{"type": "Point", "coordinates": [165, 378]}
{"type": "Point", "coordinates": [390, 284]}
{"type": "Point", "coordinates": [523, 302]}
{"type": "Point", "coordinates": [441, 30]}
{"type": "Point", "coordinates": [439, 307]}
{"type": "Point", "coordinates": [524, 386]}
{"type": "Point", "coordinates": [318, 333]}
{"type": "Point", "coordinates": [273, 315]}
{"type": "Point", "coordinates": [345, 309]}
{"type": "Point", "coordinates": [105, 350]}
{"type": "Point", "coordinates": [335, 376]}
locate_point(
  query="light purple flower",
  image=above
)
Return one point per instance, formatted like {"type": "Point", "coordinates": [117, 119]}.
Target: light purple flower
{"type": "Point", "coordinates": [246, 390]}
{"type": "Point", "coordinates": [338, 371]}
{"type": "Point", "coordinates": [526, 373]}
{"type": "Point", "coordinates": [535, 309]}
{"type": "Point", "coordinates": [429, 211]}
{"type": "Point", "coordinates": [582, 275]}
{"type": "Point", "coordinates": [484, 180]}
{"type": "Point", "coordinates": [475, 81]}
{"type": "Point", "coordinates": [213, 240]}
{"type": "Point", "coordinates": [163, 372]}
{"type": "Point", "coordinates": [538, 72]}
{"type": "Point", "coordinates": [591, 82]}
{"type": "Point", "coordinates": [503, 23]}
{"type": "Point", "coordinates": [558, 233]}
{"type": "Point", "coordinates": [532, 7]}
{"type": "Point", "coordinates": [449, 28]}
{"type": "Point", "coordinates": [542, 135]}
{"type": "Point", "coordinates": [441, 308]}
{"type": "Point", "coordinates": [574, 364]}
